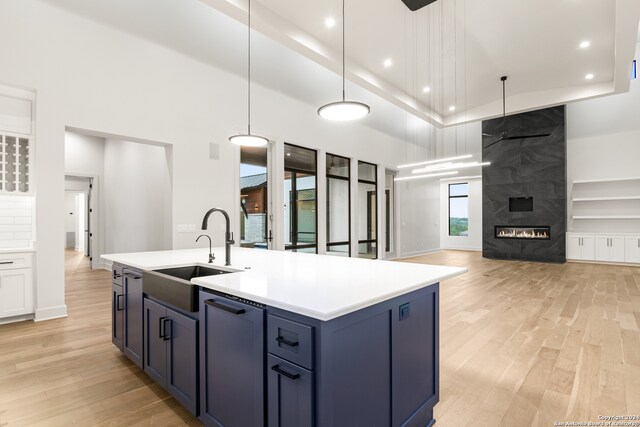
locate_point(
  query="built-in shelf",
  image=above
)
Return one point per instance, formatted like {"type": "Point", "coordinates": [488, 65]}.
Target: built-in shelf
{"type": "Point", "coordinates": [593, 181]}
{"type": "Point", "coordinates": [606, 217]}
{"type": "Point", "coordinates": [601, 199]}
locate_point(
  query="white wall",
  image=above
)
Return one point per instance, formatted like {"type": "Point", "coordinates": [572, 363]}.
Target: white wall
{"type": "Point", "coordinates": [132, 192]}
{"type": "Point", "coordinates": [473, 241]}
{"type": "Point", "coordinates": [603, 141]}
{"type": "Point", "coordinates": [88, 76]}
{"type": "Point", "coordinates": [137, 194]}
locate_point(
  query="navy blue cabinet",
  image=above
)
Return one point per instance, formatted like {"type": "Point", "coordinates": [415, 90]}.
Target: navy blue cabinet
{"type": "Point", "coordinates": [117, 315]}
{"type": "Point", "coordinates": [171, 352]}
{"type": "Point", "coordinates": [289, 394]}
{"type": "Point", "coordinates": [132, 286]}
{"type": "Point", "coordinates": [232, 362]}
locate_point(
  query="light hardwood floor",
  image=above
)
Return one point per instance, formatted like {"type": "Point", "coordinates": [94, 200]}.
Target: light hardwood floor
{"type": "Point", "coordinates": [521, 344]}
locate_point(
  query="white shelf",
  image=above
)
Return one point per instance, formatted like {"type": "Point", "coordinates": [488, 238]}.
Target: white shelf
{"type": "Point", "coordinates": [606, 217]}
{"type": "Point", "coordinates": [600, 199]}
{"type": "Point", "coordinates": [593, 181]}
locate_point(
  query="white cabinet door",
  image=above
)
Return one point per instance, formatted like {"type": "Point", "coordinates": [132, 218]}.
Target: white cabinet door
{"type": "Point", "coordinates": [602, 248]}
{"type": "Point", "coordinates": [574, 250]}
{"type": "Point", "coordinates": [16, 293]}
{"type": "Point", "coordinates": [616, 249]}
{"type": "Point", "coordinates": [588, 248]}
{"type": "Point", "coordinates": [632, 252]}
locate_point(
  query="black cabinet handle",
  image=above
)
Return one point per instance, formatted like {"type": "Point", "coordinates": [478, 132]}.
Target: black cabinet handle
{"type": "Point", "coordinates": [164, 322]}
{"type": "Point", "coordinates": [224, 307]}
{"type": "Point", "coordinates": [132, 276]}
{"type": "Point", "coordinates": [161, 327]}
{"type": "Point", "coordinates": [6, 262]}
{"type": "Point", "coordinates": [118, 307]}
{"type": "Point", "coordinates": [283, 340]}
{"type": "Point", "coordinates": [116, 275]}
{"type": "Point", "coordinates": [285, 373]}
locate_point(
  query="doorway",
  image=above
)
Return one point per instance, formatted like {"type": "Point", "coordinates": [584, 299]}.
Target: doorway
{"type": "Point", "coordinates": [80, 216]}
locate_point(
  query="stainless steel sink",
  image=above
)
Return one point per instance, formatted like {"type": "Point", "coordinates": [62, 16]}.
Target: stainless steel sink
{"type": "Point", "coordinates": [173, 285]}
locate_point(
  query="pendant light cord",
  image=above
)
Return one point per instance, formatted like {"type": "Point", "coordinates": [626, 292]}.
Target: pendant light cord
{"type": "Point", "coordinates": [504, 97]}
{"type": "Point", "coordinates": [343, 55]}
{"type": "Point", "coordinates": [249, 71]}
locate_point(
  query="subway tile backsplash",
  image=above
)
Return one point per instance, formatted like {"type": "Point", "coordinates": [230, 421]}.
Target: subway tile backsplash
{"type": "Point", "coordinates": [16, 217]}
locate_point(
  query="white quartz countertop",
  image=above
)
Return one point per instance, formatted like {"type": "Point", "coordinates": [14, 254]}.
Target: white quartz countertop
{"type": "Point", "coordinates": [319, 286]}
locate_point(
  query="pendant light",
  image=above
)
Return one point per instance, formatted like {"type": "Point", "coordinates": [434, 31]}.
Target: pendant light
{"type": "Point", "coordinates": [343, 111]}
{"type": "Point", "coordinates": [248, 140]}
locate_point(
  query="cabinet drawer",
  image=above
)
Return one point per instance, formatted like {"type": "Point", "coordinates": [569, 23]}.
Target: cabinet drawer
{"type": "Point", "coordinates": [290, 340]}
{"type": "Point", "coordinates": [116, 272]}
{"type": "Point", "coordinates": [18, 260]}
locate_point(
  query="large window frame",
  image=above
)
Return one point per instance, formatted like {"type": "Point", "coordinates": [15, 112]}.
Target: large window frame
{"type": "Point", "coordinates": [463, 196]}
{"type": "Point", "coordinates": [293, 211]}
{"type": "Point", "coordinates": [370, 241]}
{"type": "Point", "coordinates": [347, 178]}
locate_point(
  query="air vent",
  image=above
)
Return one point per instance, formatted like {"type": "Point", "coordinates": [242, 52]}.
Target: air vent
{"type": "Point", "coordinates": [414, 5]}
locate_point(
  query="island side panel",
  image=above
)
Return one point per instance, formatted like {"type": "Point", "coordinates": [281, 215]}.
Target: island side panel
{"type": "Point", "coordinates": [364, 365]}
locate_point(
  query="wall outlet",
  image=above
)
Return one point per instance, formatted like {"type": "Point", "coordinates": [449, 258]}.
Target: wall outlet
{"type": "Point", "coordinates": [405, 311]}
{"type": "Point", "coordinates": [183, 228]}
{"type": "Point", "coordinates": [191, 228]}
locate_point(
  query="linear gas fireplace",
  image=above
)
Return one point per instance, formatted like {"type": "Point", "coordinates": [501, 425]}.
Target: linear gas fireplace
{"type": "Point", "coordinates": [523, 232]}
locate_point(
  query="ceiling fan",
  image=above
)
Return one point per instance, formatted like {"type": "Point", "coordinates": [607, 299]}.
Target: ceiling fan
{"type": "Point", "coordinates": [505, 136]}
{"type": "Point", "coordinates": [414, 5]}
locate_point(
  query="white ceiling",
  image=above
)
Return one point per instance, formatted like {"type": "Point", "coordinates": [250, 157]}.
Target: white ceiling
{"type": "Point", "coordinates": [206, 35]}
{"type": "Point", "coordinates": [460, 48]}
{"type": "Point", "coordinates": [534, 42]}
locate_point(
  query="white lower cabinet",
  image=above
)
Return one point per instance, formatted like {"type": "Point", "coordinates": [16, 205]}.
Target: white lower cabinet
{"type": "Point", "coordinates": [16, 285]}
{"type": "Point", "coordinates": [603, 247]}
{"type": "Point", "coordinates": [632, 249]}
{"type": "Point", "coordinates": [581, 247]}
{"type": "Point", "coordinates": [610, 248]}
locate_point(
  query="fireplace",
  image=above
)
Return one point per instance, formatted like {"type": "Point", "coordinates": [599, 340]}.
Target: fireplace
{"type": "Point", "coordinates": [522, 232]}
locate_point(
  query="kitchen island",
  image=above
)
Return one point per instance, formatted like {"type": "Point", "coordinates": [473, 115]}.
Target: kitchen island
{"type": "Point", "coordinates": [281, 338]}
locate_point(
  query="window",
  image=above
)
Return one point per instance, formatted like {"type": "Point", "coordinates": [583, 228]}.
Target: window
{"type": "Point", "coordinates": [367, 211]}
{"type": "Point", "coordinates": [300, 219]}
{"type": "Point", "coordinates": [459, 209]}
{"type": "Point", "coordinates": [338, 208]}
{"type": "Point", "coordinates": [253, 197]}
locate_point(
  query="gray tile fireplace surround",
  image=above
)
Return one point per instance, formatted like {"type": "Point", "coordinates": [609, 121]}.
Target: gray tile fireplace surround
{"type": "Point", "coordinates": [525, 168]}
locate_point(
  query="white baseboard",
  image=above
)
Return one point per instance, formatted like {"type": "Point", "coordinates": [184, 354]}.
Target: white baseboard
{"type": "Point", "coordinates": [51, 313]}
{"type": "Point", "coordinates": [107, 265]}
{"type": "Point", "coordinates": [451, 248]}
{"type": "Point", "coordinates": [417, 253]}
{"type": "Point", "coordinates": [14, 319]}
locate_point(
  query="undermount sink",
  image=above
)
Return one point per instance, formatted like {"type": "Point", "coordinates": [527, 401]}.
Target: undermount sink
{"type": "Point", "coordinates": [192, 271]}
{"type": "Point", "coordinates": [173, 285]}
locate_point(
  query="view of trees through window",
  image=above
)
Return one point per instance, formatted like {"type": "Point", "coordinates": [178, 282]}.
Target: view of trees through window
{"type": "Point", "coordinates": [459, 209]}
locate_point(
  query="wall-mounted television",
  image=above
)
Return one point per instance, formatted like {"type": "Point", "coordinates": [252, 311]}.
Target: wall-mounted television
{"type": "Point", "coordinates": [520, 204]}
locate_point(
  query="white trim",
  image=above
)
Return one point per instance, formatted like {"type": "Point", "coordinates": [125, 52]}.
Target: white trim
{"type": "Point", "coordinates": [15, 319]}
{"type": "Point", "coordinates": [50, 313]}
{"type": "Point", "coordinates": [451, 248]}
{"type": "Point", "coordinates": [418, 253]}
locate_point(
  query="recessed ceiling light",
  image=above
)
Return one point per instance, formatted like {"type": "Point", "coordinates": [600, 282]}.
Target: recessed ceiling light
{"type": "Point", "coordinates": [585, 44]}
{"type": "Point", "coordinates": [452, 108]}
{"type": "Point", "coordinates": [288, 154]}
{"type": "Point", "coordinates": [388, 63]}
{"type": "Point", "coordinates": [426, 89]}
{"type": "Point", "coordinates": [589, 76]}
{"type": "Point", "coordinates": [330, 22]}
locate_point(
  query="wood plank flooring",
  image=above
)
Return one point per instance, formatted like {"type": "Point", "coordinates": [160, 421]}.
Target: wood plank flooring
{"type": "Point", "coordinates": [521, 344]}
